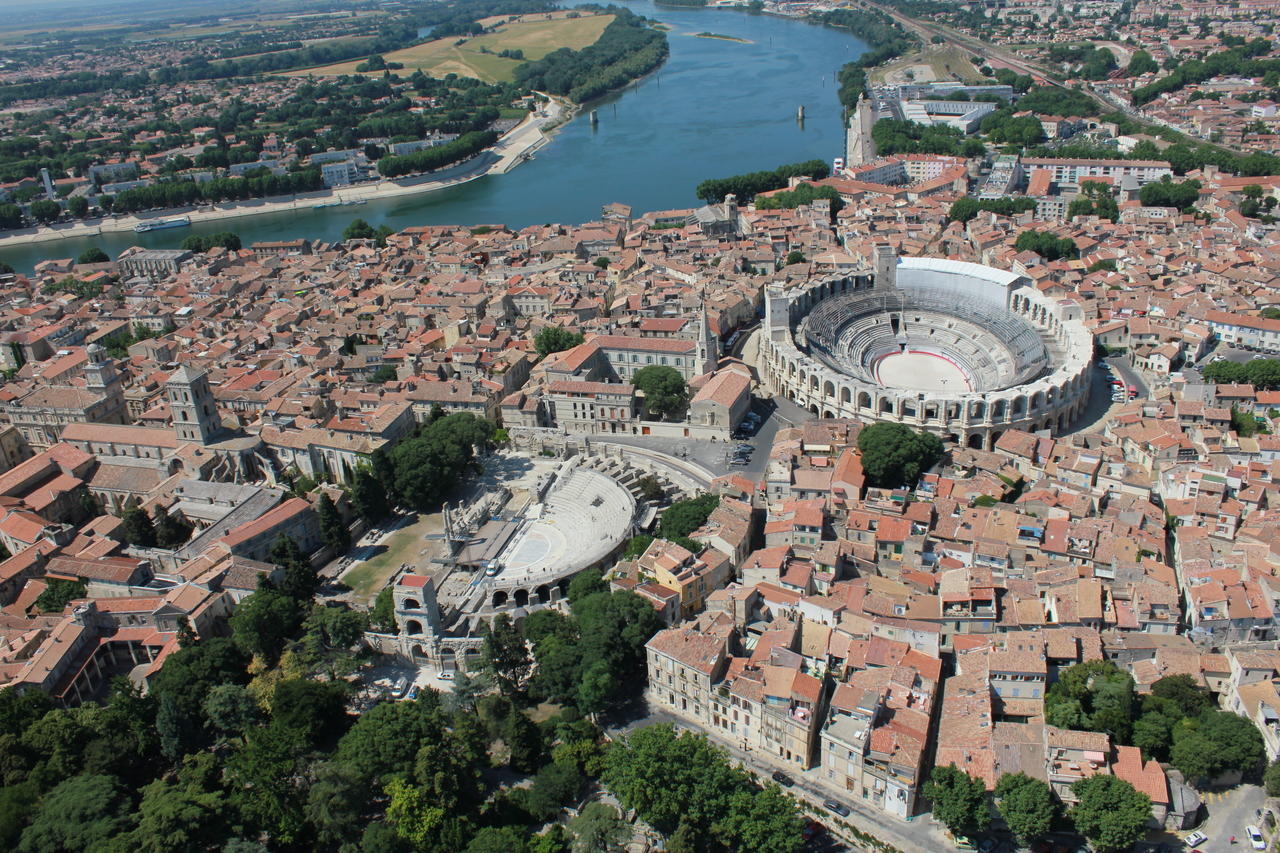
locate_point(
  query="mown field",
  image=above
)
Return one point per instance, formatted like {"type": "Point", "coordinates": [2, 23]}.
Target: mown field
{"type": "Point", "coordinates": [535, 35]}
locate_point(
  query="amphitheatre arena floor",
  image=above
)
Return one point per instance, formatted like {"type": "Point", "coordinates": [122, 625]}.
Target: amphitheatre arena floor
{"type": "Point", "coordinates": [921, 371]}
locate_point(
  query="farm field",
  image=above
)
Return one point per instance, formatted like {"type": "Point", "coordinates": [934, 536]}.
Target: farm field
{"type": "Point", "coordinates": [535, 35]}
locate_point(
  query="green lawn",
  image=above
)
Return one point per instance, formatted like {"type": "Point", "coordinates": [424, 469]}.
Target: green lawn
{"type": "Point", "coordinates": [405, 546]}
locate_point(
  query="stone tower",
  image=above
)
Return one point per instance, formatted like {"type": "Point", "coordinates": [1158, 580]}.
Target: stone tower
{"type": "Point", "coordinates": [416, 609]}
{"type": "Point", "coordinates": [886, 266]}
{"type": "Point", "coordinates": [195, 415]}
{"type": "Point", "coordinates": [708, 343]}
{"type": "Point", "coordinates": [860, 147]}
{"type": "Point", "coordinates": [101, 379]}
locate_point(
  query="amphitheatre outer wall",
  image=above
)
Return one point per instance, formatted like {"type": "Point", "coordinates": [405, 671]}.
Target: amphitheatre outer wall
{"type": "Point", "coordinates": [1047, 390]}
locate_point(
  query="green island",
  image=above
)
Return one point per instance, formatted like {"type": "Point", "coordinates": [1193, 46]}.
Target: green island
{"type": "Point", "coordinates": [722, 37]}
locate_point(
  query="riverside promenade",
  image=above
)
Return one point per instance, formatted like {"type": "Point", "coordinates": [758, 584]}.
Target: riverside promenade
{"type": "Point", "coordinates": [509, 151]}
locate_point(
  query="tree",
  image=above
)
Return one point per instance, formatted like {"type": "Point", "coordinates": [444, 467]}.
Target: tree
{"type": "Point", "coordinates": [93, 255]}
{"type": "Point", "coordinates": [170, 531]}
{"type": "Point", "coordinates": [959, 800]}
{"type": "Point", "coordinates": [687, 789]}
{"type": "Point", "coordinates": [1191, 698]}
{"type": "Point", "coordinates": [498, 839]}
{"type": "Point", "coordinates": [685, 516]}
{"type": "Point", "coordinates": [383, 615]}
{"type": "Point", "coordinates": [1271, 779]}
{"type": "Point", "coordinates": [1046, 245]}
{"type": "Point", "coordinates": [178, 818]}
{"type": "Point", "coordinates": [1141, 63]}
{"type": "Point", "coordinates": [555, 339]}
{"type": "Point", "coordinates": [230, 709]}
{"type": "Point", "coordinates": [1095, 695]}
{"type": "Point", "coordinates": [336, 803]}
{"type": "Point", "coordinates": [1214, 743]}
{"type": "Point", "coordinates": [300, 579]}
{"type": "Point", "coordinates": [599, 829]}
{"type": "Point", "coordinates": [665, 393]}
{"type": "Point", "coordinates": [336, 534]}
{"type": "Point", "coordinates": [138, 529]}
{"type": "Point", "coordinates": [264, 620]}
{"type": "Point", "coordinates": [359, 230]}
{"type": "Point", "coordinates": [586, 583]}
{"type": "Point", "coordinates": [794, 257]}
{"type": "Point", "coordinates": [650, 488]}
{"type": "Point", "coordinates": [554, 787]}
{"type": "Point", "coordinates": [1027, 806]}
{"type": "Point", "coordinates": [505, 656]}
{"type": "Point", "coordinates": [1111, 813]}
{"type": "Point", "coordinates": [384, 374]}
{"type": "Point", "coordinates": [368, 496]}
{"type": "Point", "coordinates": [59, 593]}
{"type": "Point", "coordinates": [894, 455]}
{"type": "Point", "coordinates": [312, 710]}
{"type": "Point", "coordinates": [45, 211]}
{"type": "Point", "coordinates": [78, 205]}
{"type": "Point", "coordinates": [80, 813]}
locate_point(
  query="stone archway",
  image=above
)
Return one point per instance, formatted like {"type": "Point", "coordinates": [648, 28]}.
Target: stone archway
{"type": "Point", "coordinates": [522, 598]}
{"type": "Point", "coordinates": [413, 626]}
{"type": "Point", "coordinates": [411, 604]}
{"type": "Point", "coordinates": [975, 441]}
{"type": "Point", "coordinates": [543, 594]}
{"type": "Point", "coordinates": [500, 598]}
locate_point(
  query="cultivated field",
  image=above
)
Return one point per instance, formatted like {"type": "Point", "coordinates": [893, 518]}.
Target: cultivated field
{"type": "Point", "coordinates": [535, 35]}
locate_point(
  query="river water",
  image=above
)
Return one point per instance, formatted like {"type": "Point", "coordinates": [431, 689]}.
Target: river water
{"type": "Point", "coordinates": [716, 108]}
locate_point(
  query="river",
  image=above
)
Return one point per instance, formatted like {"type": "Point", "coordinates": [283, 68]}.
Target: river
{"type": "Point", "coordinates": [716, 108]}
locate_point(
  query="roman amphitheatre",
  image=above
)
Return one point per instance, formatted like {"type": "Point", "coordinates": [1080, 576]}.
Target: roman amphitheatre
{"type": "Point", "coordinates": [479, 56]}
{"type": "Point", "coordinates": [963, 350]}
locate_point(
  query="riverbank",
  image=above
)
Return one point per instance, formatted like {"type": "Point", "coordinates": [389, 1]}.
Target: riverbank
{"type": "Point", "coordinates": [511, 149]}
{"type": "Point", "coordinates": [655, 140]}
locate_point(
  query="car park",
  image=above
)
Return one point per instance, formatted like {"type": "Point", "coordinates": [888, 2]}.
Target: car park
{"type": "Point", "coordinates": [837, 807]}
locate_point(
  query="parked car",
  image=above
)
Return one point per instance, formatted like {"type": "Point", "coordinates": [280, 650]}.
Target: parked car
{"type": "Point", "coordinates": [833, 806]}
{"type": "Point", "coordinates": [812, 829]}
{"type": "Point", "coordinates": [782, 779]}
{"type": "Point", "coordinates": [446, 675]}
{"type": "Point", "coordinates": [1255, 838]}
{"type": "Point", "coordinates": [1195, 839]}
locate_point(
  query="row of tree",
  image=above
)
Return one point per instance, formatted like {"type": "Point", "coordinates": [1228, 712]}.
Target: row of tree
{"type": "Point", "coordinates": [437, 156]}
{"type": "Point", "coordinates": [1109, 811]}
{"type": "Point", "coordinates": [627, 49]}
{"type": "Point", "coordinates": [751, 184]}
{"type": "Point", "coordinates": [183, 193]}
{"type": "Point", "coordinates": [887, 39]}
{"type": "Point", "coordinates": [1261, 373]}
{"type": "Point", "coordinates": [898, 136]}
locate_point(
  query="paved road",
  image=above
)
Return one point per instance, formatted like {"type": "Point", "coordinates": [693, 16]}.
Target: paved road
{"type": "Point", "coordinates": [1131, 376]}
{"type": "Point", "coordinates": [1230, 811]}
